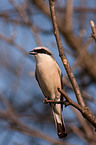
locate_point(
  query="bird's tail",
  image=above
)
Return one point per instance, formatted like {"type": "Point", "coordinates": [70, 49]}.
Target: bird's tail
{"type": "Point", "coordinates": [61, 129]}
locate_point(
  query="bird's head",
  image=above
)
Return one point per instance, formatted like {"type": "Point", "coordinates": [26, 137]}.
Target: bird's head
{"type": "Point", "coordinates": [41, 53]}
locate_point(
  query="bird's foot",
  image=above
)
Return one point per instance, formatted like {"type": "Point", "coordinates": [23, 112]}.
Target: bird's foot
{"type": "Point", "coordinates": [51, 102]}
{"type": "Point", "coordinates": [45, 101]}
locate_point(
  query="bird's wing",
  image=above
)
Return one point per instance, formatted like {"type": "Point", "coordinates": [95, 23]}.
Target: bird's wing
{"type": "Point", "coordinates": [61, 76]}
{"type": "Point", "coordinates": [62, 87]}
{"type": "Point", "coordinates": [62, 84]}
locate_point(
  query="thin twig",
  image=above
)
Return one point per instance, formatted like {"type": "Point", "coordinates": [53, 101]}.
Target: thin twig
{"type": "Point", "coordinates": [93, 35]}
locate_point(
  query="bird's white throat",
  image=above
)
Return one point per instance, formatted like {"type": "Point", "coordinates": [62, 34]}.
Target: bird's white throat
{"type": "Point", "coordinates": [43, 58]}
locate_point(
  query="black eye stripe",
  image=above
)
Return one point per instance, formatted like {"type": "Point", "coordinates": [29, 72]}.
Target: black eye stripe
{"type": "Point", "coordinates": [42, 51]}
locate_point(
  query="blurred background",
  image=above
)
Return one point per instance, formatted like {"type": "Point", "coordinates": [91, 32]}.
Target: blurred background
{"type": "Point", "coordinates": [25, 24]}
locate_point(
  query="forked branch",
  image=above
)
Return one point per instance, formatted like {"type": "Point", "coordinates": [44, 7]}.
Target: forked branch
{"type": "Point", "coordinates": [86, 112]}
{"type": "Point", "coordinates": [62, 54]}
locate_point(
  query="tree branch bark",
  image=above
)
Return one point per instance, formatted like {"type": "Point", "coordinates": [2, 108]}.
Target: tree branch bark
{"type": "Point", "coordinates": [62, 54]}
{"type": "Point", "coordinates": [86, 112]}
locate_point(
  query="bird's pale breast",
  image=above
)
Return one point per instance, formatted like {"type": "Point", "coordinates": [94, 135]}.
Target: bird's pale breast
{"type": "Point", "coordinates": [48, 78]}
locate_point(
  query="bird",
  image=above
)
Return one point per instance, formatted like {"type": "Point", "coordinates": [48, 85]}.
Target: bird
{"type": "Point", "coordinates": [49, 77]}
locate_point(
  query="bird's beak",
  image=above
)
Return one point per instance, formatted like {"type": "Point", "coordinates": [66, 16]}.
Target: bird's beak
{"type": "Point", "coordinates": [32, 52]}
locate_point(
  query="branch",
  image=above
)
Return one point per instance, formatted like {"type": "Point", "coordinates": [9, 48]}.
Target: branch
{"type": "Point", "coordinates": [45, 101]}
{"type": "Point", "coordinates": [66, 103]}
{"type": "Point", "coordinates": [85, 111]}
{"type": "Point", "coordinates": [62, 54]}
{"type": "Point", "coordinates": [93, 35]}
